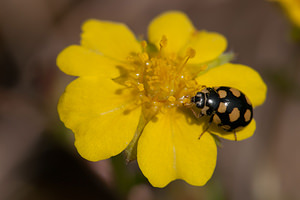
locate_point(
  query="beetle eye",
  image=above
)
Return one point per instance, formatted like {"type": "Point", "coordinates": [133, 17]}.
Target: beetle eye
{"type": "Point", "coordinates": [200, 100]}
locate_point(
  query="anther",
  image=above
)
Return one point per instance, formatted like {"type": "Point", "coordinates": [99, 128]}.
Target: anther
{"type": "Point", "coordinates": [141, 87]}
{"type": "Point", "coordinates": [144, 44]}
{"type": "Point", "coordinates": [190, 53]}
{"type": "Point", "coordinates": [172, 98]}
{"type": "Point", "coordinates": [163, 42]}
{"type": "Point", "coordinates": [144, 57]}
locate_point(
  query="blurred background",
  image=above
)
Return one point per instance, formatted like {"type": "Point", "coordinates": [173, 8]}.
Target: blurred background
{"type": "Point", "coordinates": [37, 157]}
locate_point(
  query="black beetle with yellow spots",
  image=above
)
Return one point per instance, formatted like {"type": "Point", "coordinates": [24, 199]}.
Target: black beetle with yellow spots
{"type": "Point", "coordinates": [228, 107]}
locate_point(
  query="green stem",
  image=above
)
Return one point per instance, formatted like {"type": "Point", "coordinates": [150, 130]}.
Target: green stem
{"type": "Point", "coordinates": [131, 150]}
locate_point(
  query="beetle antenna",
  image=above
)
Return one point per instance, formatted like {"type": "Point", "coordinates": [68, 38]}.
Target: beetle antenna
{"type": "Point", "coordinates": [206, 128]}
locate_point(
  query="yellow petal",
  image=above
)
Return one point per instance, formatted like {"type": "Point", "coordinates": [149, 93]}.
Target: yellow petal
{"type": "Point", "coordinates": [208, 46]}
{"type": "Point", "coordinates": [237, 76]}
{"type": "Point", "coordinates": [169, 149]}
{"type": "Point", "coordinates": [101, 115]}
{"type": "Point", "coordinates": [245, 133]}
{"type": "Point", "coordinates": [113, 40]}
{"type": "Point", "coordinates": [80, 61]}
{"type": "Point", "coordinates": [292, 8]}
{"type": "Point", "coordinates": [175, 26]}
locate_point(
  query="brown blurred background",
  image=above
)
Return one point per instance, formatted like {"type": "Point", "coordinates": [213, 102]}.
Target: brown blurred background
{"type": "Point", "coordinates": [37, 156]}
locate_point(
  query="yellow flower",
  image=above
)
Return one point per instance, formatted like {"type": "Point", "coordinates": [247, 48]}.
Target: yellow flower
{"type": "Point", "coordinates": [292, 9]}
{"type": "Point", "coordinates": [130, 95]}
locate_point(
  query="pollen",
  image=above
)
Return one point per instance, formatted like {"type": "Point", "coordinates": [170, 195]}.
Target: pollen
{"type": "Point", "coordinates": [163, 42]}
{"type": "Point", "coordinates": [141, 87]}
{"type": "Point", "coordinates": [160, 78]}
{"type": "Point", "coordinates": [144, 57]}
{"type": "Point", "coordinates": [144, 44]}
{"type": "Point", "coordinates": [190, 52]}
{"type": "Point", "coordinates": [172, 98]}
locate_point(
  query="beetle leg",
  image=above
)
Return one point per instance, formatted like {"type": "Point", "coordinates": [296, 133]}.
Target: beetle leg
{"type": "Point", "coordinates": [197, 115]}
{"type": "Point", "coordinates": [235, 137]}
{"type": "Point", "coordinates": [207, 127]}
{"type": "Point", "coordinates": [202, 133]}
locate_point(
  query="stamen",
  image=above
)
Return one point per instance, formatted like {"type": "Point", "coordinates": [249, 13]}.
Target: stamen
{"type": "Point", "coordinates": [158, 78]}
{"type": "Point", "coordinates": [190, 53]}
{"type": "Point", "coordinates": [141, 87]}
{"type": "Point", "coordinates": [172, 98]}
{"type": "Point", "coordinates": [144, 57]}
{"type": "Point", "coordinates": [144, 44]}
{"type": "Point", "coordinates": [163, 42]}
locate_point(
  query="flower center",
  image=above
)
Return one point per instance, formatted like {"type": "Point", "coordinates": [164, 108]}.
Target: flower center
{"type": "Point", "coordinates": [161, 79]}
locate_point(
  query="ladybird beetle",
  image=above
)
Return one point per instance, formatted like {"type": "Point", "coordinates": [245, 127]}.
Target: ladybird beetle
{"type": "Point", "coordinates": [228, 107]}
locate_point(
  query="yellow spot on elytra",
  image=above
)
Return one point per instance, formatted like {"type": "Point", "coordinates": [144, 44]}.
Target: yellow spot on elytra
{"type": "Point", "coordinates": [248, 101]}
{"type": "Point", "coordinates": [216, 119]}
{"type": "Point", "coordinates": [222, 107]}
{"type": "Point", "coordinates": [222, 93]}
{"type": "Point", "coordinates": [247, 115]}
{"type": "Point", "coordinates": [234, 115]}
{"type": "Point", "coordinates": [235, 92]}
